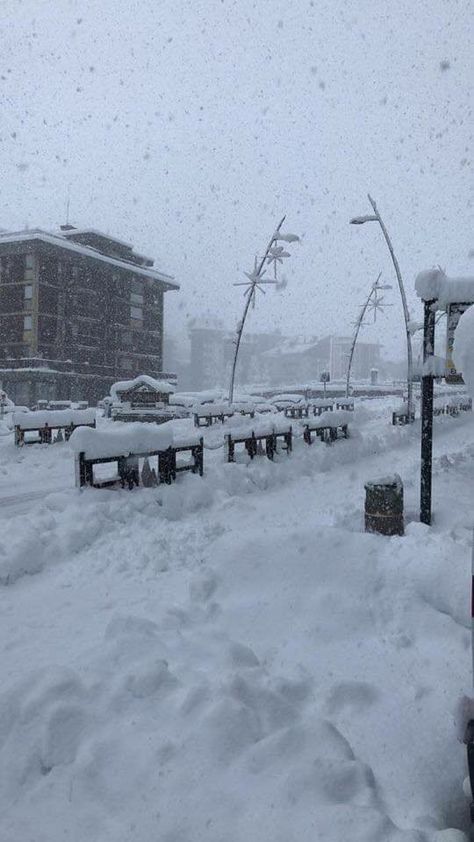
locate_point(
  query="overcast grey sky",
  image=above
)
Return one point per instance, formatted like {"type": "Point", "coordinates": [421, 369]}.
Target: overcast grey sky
{"type": "Point", "coordinates": [190, 126]}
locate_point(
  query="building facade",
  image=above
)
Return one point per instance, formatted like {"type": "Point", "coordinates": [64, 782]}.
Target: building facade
{"type": "Point", "coordinates": [79, 310]}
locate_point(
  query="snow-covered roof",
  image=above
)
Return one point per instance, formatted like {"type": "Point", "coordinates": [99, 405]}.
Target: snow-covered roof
{"type": "Point", "coordinates": [62, 241]}
{"type": "Point", "coordinates": [142, 380]}
{"type": "Point", "coordinates": [70, 232]}
{"type": "Point", "coordinates": [434, 285]}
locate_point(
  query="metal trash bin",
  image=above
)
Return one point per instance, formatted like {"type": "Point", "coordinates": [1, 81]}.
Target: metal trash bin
{"type": "Point", "coordinates": [384, 506]}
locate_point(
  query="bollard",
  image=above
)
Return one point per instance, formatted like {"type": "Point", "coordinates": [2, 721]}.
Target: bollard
{"type": "Point", "coordinates": [384, 506]}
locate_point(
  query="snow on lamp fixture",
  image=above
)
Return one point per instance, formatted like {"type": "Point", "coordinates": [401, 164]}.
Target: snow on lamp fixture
{"type": "Point", "coordinates": [375, 217]}
{"type": "Point", "coordinates": [274, 256]}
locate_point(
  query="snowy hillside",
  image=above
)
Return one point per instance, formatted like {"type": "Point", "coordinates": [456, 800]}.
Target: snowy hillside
{"type": "Point", "coordinates": [232, 658]}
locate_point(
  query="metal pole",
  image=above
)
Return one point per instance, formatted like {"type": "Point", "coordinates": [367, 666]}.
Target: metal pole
{"type": "Point", "coordinates": [472, 607]}
{"type": "Point", "coordinates": [427, 416]}
{"type": "Point", "coordinates": [356, 334]}
{"type": "Point", "coordinates": [405, 309]}
{"type": "Point", "coordinates": [240, 328]}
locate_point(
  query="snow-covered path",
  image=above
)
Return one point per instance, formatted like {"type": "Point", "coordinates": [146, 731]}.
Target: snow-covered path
{"type": "Point", "coordinates": [234, 658]}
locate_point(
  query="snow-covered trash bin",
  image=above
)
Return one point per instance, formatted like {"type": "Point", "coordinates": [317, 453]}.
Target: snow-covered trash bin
{"type": "Point", "coordinates": [384, 506]}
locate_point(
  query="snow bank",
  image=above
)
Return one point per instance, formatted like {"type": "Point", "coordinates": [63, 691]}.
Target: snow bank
{"type": "Point", "coordinates": [53, 418]}
{"type": "Point", "coordinates": [463, 351]}
{"type": "Point", "coordinates": [433, 284]}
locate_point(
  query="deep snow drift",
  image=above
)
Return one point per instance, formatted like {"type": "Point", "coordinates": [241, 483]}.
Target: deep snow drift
{"type": "Point", "coordinates": [232, 658]}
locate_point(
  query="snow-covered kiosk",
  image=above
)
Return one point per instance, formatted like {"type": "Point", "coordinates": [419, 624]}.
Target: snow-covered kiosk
{"type": "Point", "coordinates": [142, 399]}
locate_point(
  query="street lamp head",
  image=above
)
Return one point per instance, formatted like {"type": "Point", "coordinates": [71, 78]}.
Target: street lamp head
{"type": "Point", "coordinates": [359, 220]}
{"type": "Point", "coordinates": [383, 286]}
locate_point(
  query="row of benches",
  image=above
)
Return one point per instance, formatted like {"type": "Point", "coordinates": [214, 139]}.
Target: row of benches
{"type": "Point", "coordinates": [266, 441]}
{"type": "Point", "coordinates": [453, 408]}
{"type": "Point", "coordinates": [464, 405]}
{"type": "Point", "coordinates": [316, 409]}
{"type": "Point", "coordinates": [209, 415]}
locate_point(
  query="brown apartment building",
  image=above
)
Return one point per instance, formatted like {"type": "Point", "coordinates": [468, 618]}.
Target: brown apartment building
{"type": "Point", "coordinates": [79, 310]}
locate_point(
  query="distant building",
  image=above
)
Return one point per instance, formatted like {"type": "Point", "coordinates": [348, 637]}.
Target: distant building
{"type": "Point", "coordinates": [207, 358]}
{"type": "Point", "coordinates": [294, 360]}
{"type": "Point", "coordinates": [301, 359]}
{"type": "Point", "coordinates": [78, 310]}
{"type": "Point", "coordinates": [337, 350]}
{"type": "Point", "coordinates": [212, 355]}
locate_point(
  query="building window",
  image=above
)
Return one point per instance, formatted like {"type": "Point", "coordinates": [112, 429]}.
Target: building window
{"type": "Point", "coordinates": [136, 313]}
{"type": "Point", "coordinates": [127, 364]}
{"type": "Point", "coordinates": [27, 322]}
{"type": "Point", "coordinates": [28, 292]}
{"type": "Point", "coordinates": [137, 287]}
{"type": "Point", "coordinates": [126, 338]}
{"type": "Point", "coordinates": [136, 299]}
{"type": "Point", "coordinates": [29, 267]}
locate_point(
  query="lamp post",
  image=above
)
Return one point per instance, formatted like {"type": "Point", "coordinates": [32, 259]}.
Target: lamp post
{"type": "Point", "coordinates": [375, 217]}
{"type": "Point", "coordinates": [275, 254]}
{"type": "Point", "coordinates": [373, 302]}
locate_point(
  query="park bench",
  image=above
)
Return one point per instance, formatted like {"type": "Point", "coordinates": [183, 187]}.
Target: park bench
{"type": "Point", "coordinates": [328, 427]}
{"type": "Point", "coordinates": [254, 439]}
{"type": "Point", "coordinates": [128, 466]}
{"type": "Point", "coordinates": [50, 425]}
{"type": "Point", "coordinates": [297, 411]}
{"type": "Point", "coordinates": [347, 404]}
{"type": "Point", "coordinates": [320, 406]}
{"type": "Point", "coordinates": [400, 417]}
{"type": "Point", "coordinates": [208, 414]}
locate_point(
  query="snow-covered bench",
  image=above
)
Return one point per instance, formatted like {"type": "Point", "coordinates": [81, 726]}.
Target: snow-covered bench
{"type": "Point", "coordinates": [208, 414]}
{"type": "Point", "coordinates": [297, 411]}
{"type": "Point", "coordinates": [320, 405]}
{"type": "Point", "coordinates": [457, 405]}
{"type": "Point", "coordinates": [127, 446]}
{"type": "Point", "coordinates": [328, 427]}
{"type": "Point", "coordinates": [346, 404]}
{"type": "Point", "coordinates": [264, 432]}
{"type": "Point", "coordinates": [400, 417]}
{"type": "Point", "coordinates": [211, 413]}
{"type": "Point", "coordinates": [44, 422]}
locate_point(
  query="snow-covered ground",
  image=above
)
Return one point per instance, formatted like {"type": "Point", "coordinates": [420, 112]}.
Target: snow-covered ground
{"type": "Point", "coordinates": [232, 658]}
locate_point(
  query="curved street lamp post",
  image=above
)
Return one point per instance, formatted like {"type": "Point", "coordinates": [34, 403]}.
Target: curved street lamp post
{"type": "Point", "coordinates": [375, 217]}
{"type": "Point", "coordinates": [374, 303]}
{"type": "Point", "coordinates": [275, 254]}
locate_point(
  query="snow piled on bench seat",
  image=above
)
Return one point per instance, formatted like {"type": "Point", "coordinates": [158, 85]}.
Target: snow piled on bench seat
{"type": "Point", "coordinates": [132, 438]}
{"type": "Point", "coordinates": [53, 418]}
